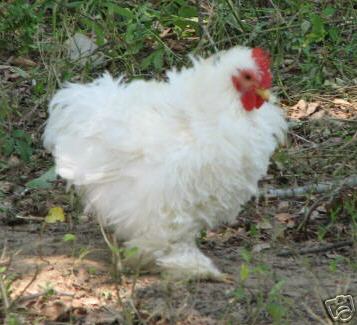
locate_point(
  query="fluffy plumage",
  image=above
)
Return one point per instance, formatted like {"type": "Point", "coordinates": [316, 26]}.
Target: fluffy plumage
{"type": "Point", "coordinates": [161, 160]}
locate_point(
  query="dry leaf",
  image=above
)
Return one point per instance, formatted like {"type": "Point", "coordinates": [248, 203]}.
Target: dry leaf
{"type": "Point", "coordinates": [23, 62]}
{"type": "Point", "coordinates": [55, 214]}
{"type": "Point", "coordinates": [12, 77]}
{"type": "Point", "coordinates": [336, 139]}
{"type": "Point", "coordinates": [165, 32]}
{"type": "Point", "coordinates": [321, 208]}
{"type": "Point", "coordinates": [83, 219]}
{"type": "Point", "coordinates": [283, 206]}
{"type": "Point", "coordinates": [91, 301]}
{"type": "Point", "coordinates": [14, 161]}
{"type": "Point", "coordinates": [264, 224]}
{"type": "Point", "coordinates": [311, 108]}
{"type": "Point", "coordinates": [175, 45]}
{"type": "Point", "coordinates": [318, 115]}
{"type": "Point", "coordinates": [289, 61]}
{"type": "Point", "coordinates": [316, 215]}
{"type": "Point", "coordinates": [300, 105]}
{"type": "Point", "coordinates": [53, 311]}
{"type": "Point", "coordinates": [6, 187]}
{"type": "Point", "coordinates": [286, 219]}
{"type": "Point", "coordinates": [339, 101]}
{"type": "Point", "coordinates": [299, 109]}
{"type": "Point", "coordinates": [81, 49]}
{"type": "Point", "coordinates": [259, 247]}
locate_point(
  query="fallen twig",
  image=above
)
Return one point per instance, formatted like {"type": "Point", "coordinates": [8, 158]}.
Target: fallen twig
{"type": "Point", "coordinates": [116, 261]}
{"type": "Point", "coordinates": [319, 249]}
{"type": "Point", "coordinates": [303, 139]}
{"type": "Point", "coordinates": [20, 296]}
{"type": "Point", "coordinates": [309, 212]}
{"type": "Point", "coordinates": [204, 30]}
{"type": "Point", "coordinates": [4, 250]}
{"type": "Point", "coordinates": [236, 16]}
{"type": "Point", "coordinates": [4, 295]}
{"type": "Point", "coordinates": [329, 196]}
{"type": "Point", "coordinates": [32, 218]}
{"type": "Point", "coordinates": [41, 294]}
{"type": "Point", "coordinates": [3, 291]}
{"type": "Point", "coordinates": [354, 139]}
{"type": "Point", "coordinates": [308, 189]}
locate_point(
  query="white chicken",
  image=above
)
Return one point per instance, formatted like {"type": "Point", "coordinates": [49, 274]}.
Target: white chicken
{"type": "Point", "coordinates": [161, 160]}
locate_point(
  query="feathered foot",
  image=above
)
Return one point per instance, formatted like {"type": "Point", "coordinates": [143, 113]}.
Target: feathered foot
{"type": "Point", "coordinates": [225, 278]}
{"type": "Point", "coordinates": [187, 262]}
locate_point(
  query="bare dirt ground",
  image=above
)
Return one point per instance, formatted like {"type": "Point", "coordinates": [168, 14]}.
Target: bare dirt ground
{"type": "Point", "coordinates": [84, 290]}
{"type": "Point", "coordinates": [48, 280]}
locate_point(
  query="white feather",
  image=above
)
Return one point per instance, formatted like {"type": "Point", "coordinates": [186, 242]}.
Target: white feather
{"type": "Point", "coordinates": [159, 161]}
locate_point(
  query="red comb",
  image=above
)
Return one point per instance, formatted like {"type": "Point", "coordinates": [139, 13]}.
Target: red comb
{"type": "Point", "coordinates": [262, 60]}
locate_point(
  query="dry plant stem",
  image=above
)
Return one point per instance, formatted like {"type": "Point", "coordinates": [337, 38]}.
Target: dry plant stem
{"type": "Point", "coordinates": [204, 30]}
{"type": "Point", "coordinates": [4, 296]}
{"type": "Point", "coordinates": [40, 294]}
{"type": "Point", "coordinates": [318, 288]}
{"type": "Point", "coordinates": [235, 14]}
{"type": "Point", "coordinates": [39, 247]}
{"type": "Point", "coordinates": [132, 305]}
{"type": "Point", "coordinates": [116, 258]}
{"type": "Point", "coordinates": [116, 313]}
{"type": "Point", "coordinates": [317, 285]}
{"type": "Point", "coordinates": [28, 218]}
{"type": "Point", "coordinates": [116, 255]}
{"type": "Point", "coordinates": [3, 254]}
{"type": "Point", "coordinates": [354, 139]}
{"type": "Point", "coordinates": [308, 214]}
{"type": "Point", "coordinates": [319, 249]}
{"type": "Point", "coordinates": [135, 278]}
{"type": "Point", "coordinates": [3, 292]}
{"type": "Point", "coordinates": [302, 138]}
{"type": "Point", "coordinates": [308, 189]}
{"type": "Point", "coordinates": [316, 317]}
{"type": "Point", "coordinates": [19, 297]}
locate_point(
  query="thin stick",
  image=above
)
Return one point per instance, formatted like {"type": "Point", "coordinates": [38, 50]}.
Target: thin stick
{"type": "Point", "coordinates": [314, 316]}
{"type": "Point", "coordinates": [308, 189]}
{"type": "Point", "coordinates": [40, 294]}
{"type": "Point", "coordinates": [302, 138]}
{"type": "Point", "coordinates": [19, 297]}
{"type": "Point", "coordinates": [3, 254]}
{"type": "Point", "coordinates": [277, 10]}
{"type": "Point", "coordinates": [236, 17]}
{"type": "Point", "coordinates": [354, 138]}
{"type": "Point", "coordinates": [204, 30]}
{"type": "Point", "coordinates": [3, 292]}
{"type": "Point", "coordinates": [308, 214]}
{"type": "Point", "coordinates": [319, 249]}
{"type": "Point", "coordinates": [28, 218]}
{"type": "Point", "coordinates": [117, 260]}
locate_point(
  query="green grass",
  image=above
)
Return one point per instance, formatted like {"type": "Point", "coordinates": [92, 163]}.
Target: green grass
{"type": "Point", "coordinates": [314, 50]}
{"type": "Point", "coordinates": [313, 45]}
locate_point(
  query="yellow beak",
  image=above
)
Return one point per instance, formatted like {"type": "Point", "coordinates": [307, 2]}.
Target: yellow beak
{"type": "Point", "coordinates": [263, 93]}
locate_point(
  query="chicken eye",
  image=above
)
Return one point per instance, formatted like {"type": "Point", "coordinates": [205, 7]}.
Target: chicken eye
{"type": "Point", "coordinates": [247, 76]}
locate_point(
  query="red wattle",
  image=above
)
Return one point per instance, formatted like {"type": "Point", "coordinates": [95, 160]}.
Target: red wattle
{"type": "Point", "coordinates": [251, 100]}
{"type": "Point", "coordinates": [259, 101]}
